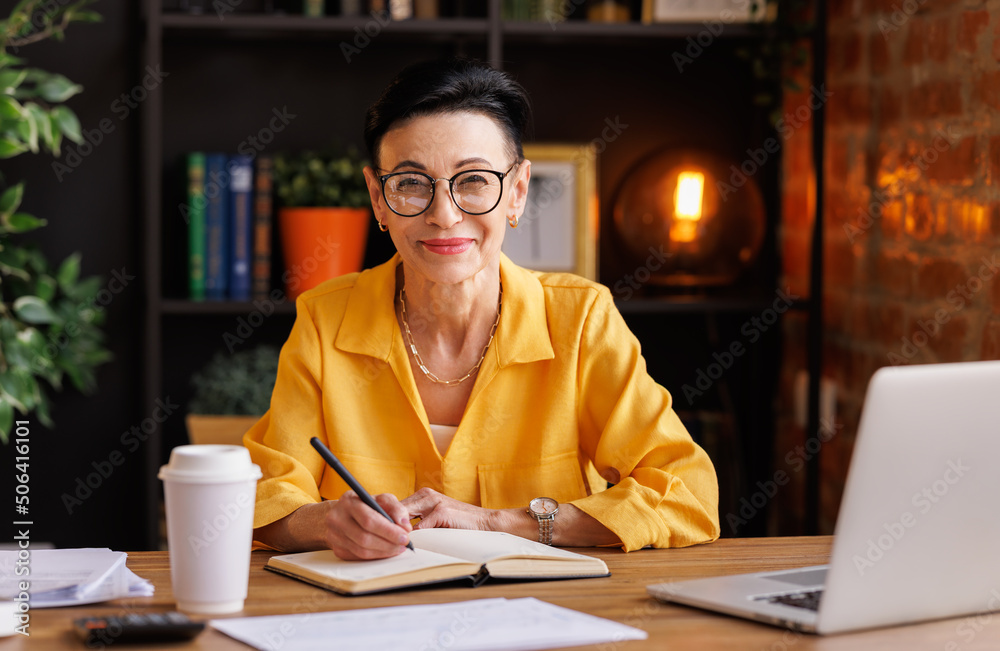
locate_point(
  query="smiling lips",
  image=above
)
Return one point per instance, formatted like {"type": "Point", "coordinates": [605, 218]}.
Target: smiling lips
{"type": "Point", "coordinates": [450, 246]}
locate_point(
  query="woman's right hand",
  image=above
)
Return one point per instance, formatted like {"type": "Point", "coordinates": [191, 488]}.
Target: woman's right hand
{"type": "Point", "coordinates": [348, 526]}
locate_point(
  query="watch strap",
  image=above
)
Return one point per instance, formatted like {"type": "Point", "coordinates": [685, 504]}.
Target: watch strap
{"type": "Point", "coordinates": [545, 526]}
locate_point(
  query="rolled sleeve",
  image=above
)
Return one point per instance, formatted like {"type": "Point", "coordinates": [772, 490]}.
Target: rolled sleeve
{"type": "Point", "coordinates": [668, 492]}
{"type": "Point", "coordinates": [279, 442]}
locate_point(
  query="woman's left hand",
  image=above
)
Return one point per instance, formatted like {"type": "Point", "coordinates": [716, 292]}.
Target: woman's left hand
{"type": "Point", "coordinates": [440, 511]}
{"type": "Point", "coordinates": [574, 528]}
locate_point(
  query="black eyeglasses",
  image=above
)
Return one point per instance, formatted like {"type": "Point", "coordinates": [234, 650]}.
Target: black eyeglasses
{"type": "Point", "coordinates": [475, 192]}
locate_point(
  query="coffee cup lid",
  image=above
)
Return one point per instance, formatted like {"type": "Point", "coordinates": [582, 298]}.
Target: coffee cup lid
{"type": "Point", "coordinates": [209, 464]}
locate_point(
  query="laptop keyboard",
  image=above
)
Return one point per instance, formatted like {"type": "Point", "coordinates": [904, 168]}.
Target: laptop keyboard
{"type": "Point", "coordinates": [808, 600]}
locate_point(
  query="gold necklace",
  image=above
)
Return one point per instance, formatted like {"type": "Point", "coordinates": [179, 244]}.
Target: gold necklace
{"type": "Point", "coordinates": [413, 347]}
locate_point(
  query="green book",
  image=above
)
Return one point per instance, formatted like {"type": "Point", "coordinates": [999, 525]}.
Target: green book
{"type": "Point", "coordinates": [196, 225]}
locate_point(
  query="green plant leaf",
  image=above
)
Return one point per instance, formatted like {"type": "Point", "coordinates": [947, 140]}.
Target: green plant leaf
{"type": "Point", "coordinates": [10, 108]}
{"type": "Point", "coordinates": [68, 123]}
{"type": "Point", "coordinates": [45, 288]}
{"type": "Point", "coordinates": [27, 131]}
{"type": "Point", "coordinates": [11, 199]}
{"type": "Point", "coordinates": [85, 290]}
{"type": "Point", "coordinates": [22, 222]}
{"type": "Point", "coordinates": [42, 122]}
{"type": "Point", "coordinates": [57, 89]}
{"type": "Point", "coordinates": [7, 59]}
{"type": "Point", "coordinates": [32, 309]}
{"type": "Point", "coordinates": [31, 345]}
{"type": "Point", "coordinates": [19, 352]}
{"type": "Point", "coordinates": [75, 372]}
{"type": "Point", "coordinates": [14, 390]}
{"type": "Point", "coordinates": [6, 420]}
{"type": "Point", "coordinates": [43, 409]}
{"type": "Point", "coordinates": [86, 17]}
{"type": "Point", "coordinates": [13, 264]}
{"type": "Point", "coordinates": [57, 137]}
{"type": "Point", "coordinates": [69, 272]}
{"type": "Point", "coordinates": [10, 80]}
{"type": "Point", "coordinates": [10, 147]}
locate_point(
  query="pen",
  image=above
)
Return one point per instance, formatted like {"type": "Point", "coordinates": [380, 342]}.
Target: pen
{"type": "Point", "coordinates": [334, 463]}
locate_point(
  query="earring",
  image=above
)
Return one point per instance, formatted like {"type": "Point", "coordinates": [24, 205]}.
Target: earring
{"type": "Point", "coordinates": [512, 222]}
{"type": "Point", "coordinates": [382, 227]}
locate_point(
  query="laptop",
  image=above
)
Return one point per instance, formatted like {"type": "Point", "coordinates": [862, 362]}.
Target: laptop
{"type": "Point", "coordinates": [918, 533]}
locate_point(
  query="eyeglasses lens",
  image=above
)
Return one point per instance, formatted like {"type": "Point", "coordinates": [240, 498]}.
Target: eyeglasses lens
{"type": "Point", "coordinates": [474, 192]}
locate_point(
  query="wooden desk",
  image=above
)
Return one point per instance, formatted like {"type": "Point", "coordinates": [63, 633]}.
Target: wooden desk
{"type": "Point", "coordinates": [621, 597]}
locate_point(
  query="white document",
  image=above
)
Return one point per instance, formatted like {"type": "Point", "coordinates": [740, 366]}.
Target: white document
{"type": "Point", "coordinates": [69, 577]}
{"type": "Point", "coordinates": [476, 625]}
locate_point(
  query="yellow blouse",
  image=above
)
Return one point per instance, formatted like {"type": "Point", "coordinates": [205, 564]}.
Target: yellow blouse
{"type": "Point", "coordinates": [562, 399]}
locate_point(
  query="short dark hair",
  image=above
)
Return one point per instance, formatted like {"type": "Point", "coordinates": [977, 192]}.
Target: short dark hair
{"type": "Point", "coordinates": [450, 85]}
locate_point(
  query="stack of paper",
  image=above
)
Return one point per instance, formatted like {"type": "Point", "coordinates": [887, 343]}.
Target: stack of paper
{"type": "Point", "coordinates": [69, 577]}
{"type": "Point", "coordinates": [477, 625]}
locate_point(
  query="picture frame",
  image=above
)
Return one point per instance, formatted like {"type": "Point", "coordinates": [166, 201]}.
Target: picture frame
{"type": "Point", "coordinates": [559, 228]}
{"type": "Point", "coordinates": [722, 11]}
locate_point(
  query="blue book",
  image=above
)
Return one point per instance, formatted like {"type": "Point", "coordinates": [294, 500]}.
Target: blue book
{"type": "Point", "coordinates": [240, 226]}
{"type": "Point", "coordinates": [216, 226]}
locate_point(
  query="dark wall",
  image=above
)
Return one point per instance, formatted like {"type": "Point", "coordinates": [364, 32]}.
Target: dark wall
{"type": "Point", "coordinates": [218, 91]}
{"type": "Point", "coordinates": [91, 207]}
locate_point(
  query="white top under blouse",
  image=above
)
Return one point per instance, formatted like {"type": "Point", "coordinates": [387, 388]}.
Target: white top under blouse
{"type": "Point", "coordinates": [443, 434]}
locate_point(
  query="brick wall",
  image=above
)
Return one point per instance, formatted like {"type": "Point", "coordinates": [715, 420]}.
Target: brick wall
{"type": "Point", "coordinates": [912, 232]}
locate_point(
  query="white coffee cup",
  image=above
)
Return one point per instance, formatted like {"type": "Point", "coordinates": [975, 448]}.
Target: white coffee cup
{"type": "Point", "coordinates": [210, 492]}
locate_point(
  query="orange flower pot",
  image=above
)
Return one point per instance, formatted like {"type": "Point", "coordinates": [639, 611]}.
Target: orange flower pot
{"type": "Point", "coordinates": [321, 243]}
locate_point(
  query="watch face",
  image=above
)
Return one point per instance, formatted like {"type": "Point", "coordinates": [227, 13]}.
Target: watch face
{"type": "Point", "coordinates": [544, 505]}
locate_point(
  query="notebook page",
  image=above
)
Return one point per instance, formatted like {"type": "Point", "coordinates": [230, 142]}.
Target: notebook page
{"type": "Point", "coordinates": [328, 564]}
{"type": "Point", "coordinates": [482, 546]}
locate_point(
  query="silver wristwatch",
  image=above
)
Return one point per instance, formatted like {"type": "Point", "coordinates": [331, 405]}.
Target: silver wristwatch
{"type": "Point", "coordinates": [544, 510]}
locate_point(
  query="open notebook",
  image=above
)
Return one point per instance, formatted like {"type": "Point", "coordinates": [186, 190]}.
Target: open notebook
{"type": "Point", "coordinates": [441, 555]}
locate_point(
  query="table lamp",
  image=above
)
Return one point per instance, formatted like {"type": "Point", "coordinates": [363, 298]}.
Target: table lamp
{"type": "Point", "coordinates": [698, 208]}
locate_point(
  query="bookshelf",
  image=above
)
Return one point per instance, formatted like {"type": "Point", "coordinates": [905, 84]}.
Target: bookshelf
{"type": "Point", "coordinates": [226, 75]}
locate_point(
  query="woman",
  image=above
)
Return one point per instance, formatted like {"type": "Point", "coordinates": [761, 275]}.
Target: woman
{"type": "Point", "coordinates": [456, 385]}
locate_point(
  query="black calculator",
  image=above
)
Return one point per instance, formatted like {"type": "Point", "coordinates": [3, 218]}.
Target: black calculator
{"type": "Point", "coordinates": [99, 632]}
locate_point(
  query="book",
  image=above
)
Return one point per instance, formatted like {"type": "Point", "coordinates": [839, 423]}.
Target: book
{"type": "Point", "coordinates": [263, 218]}
{"type": "Point", "coordinates": [441, 555]}
{"type": "Point", "coordinates": [196, 225]}
{"type": "Point", "coordinates": [216, 226]}
{"type": "Point", "coordinates": [241, 227]}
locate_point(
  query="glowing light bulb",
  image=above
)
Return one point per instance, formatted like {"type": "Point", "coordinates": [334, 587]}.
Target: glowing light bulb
{"type": "Point", "coordinates": [687, 206]}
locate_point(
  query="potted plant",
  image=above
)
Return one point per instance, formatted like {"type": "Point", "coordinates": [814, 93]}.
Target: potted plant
{"type": "Point", "coordinates": [232, 392]}
{"type": "Point", "coordinates": [49, 317]}
{"type": "Point", "coordinates": [323, 217]}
